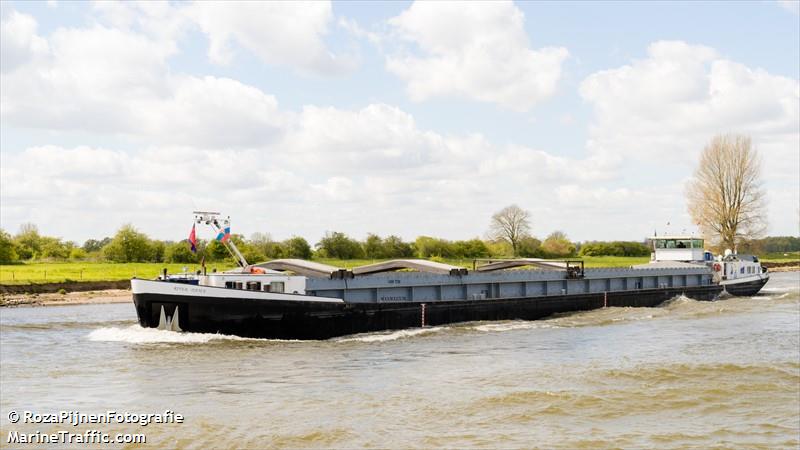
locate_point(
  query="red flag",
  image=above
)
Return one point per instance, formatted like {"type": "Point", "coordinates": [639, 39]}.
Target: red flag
{"type": "Point", "coordinates": [193, 240]}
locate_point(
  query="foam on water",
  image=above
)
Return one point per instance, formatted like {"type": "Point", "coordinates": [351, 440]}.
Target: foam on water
{"type": "Point", "coordinates": [510, 326]}
{"type": "Point", "coordinates": [135, 334]}
{"type": "Point", "coordinates": [394, 335]}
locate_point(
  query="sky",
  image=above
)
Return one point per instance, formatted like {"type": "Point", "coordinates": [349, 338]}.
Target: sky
{"type": "Point", "coordinates": [405, 118]}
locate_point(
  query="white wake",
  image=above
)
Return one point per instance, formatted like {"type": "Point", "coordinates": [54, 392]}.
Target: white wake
{"type": "Point", "coordinates": [394, 335]}
{"type": "Point", "coordinates": [136, 334]}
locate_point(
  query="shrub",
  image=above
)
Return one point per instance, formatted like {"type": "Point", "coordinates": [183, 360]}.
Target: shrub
{"type": "Point", "coordinates": [77, 254]}
{"type": "Point", "coordinates": [616, 248]}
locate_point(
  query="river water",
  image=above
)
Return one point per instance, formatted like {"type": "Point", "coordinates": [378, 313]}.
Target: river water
{"type": "Point", "coordinates": [688, 373]}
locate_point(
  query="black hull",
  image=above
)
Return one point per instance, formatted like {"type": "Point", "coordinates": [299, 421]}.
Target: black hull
{"type": "Point", "coordinates": [746, 289]}
{"type": "Point", "coordinates": [278, 319]}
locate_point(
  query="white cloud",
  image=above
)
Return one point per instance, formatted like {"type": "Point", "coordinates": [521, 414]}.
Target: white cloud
{"type": "Point", "coordinates": [19, 42]}
{"type": "Point", "coordinates": [670, 103]}
{"type": "Point", "coordinates": [663, 109]}
{"type": "Point", "coordinates": [283, 33]}
{"type": "Point", "coordinates": [371, 169]}
{"type": "Point", "coordinates": [477, 50]}
{"type": "Point", "coordinates": [112, 80]}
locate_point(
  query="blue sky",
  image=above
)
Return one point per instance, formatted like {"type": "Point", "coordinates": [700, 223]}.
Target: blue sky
{"type": "Point", "coordinates": [388, 117]}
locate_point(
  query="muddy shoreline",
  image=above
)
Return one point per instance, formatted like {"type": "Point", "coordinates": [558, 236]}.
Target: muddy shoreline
{"type": "Point", "coordinates": [69, 298]}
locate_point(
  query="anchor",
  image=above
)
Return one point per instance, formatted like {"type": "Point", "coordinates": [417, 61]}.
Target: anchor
{"type": "Point", "coordinates": [169, 323]}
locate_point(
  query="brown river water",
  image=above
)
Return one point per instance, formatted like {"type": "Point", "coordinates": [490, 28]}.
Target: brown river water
{"type": "Point", "coordinates": [685, 374]}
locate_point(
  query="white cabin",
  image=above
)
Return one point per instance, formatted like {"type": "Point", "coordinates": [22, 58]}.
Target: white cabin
{"type": "Point", "coordinates": [679, 248]}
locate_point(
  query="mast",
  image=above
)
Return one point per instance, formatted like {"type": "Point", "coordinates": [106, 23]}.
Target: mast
{"type": "Point", "coordinates": [212, 219]}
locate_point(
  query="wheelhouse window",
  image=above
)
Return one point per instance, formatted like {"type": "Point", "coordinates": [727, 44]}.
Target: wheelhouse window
{"type": "Point", "coordinates": [679, 243]}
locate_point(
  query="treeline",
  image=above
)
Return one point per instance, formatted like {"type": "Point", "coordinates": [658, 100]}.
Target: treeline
{"type": "Point", "coordinates": [772, 244]}
{"type": "Point", "coordinates": [616, 248]}
{"type": "Point", "coordinates": [131, 245]}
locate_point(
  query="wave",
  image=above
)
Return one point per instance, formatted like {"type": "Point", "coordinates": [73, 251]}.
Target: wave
{"type": "Point", "coordinates": [391, 336]}
{"type": "Point", "coordinates": [135, 334]}
{"type": "Point", "coordinates": [510, 326]}
{"type": "Point", "coordinates": [60, 325]}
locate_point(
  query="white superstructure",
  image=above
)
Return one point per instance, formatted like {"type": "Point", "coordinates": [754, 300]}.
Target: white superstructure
{"type": "Point", "coordinates": [731, 270]}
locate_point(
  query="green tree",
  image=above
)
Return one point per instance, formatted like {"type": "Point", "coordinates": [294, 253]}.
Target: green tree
{"type": "Point", "coordinates": [269, 248]}
{"type": "Point", "coordinates": [8, 250]}
{"type": "Point", "coordinates": [373, 247]}
{"type": "Point", "coordinates": [473, 248]}
{"type": "Point", "coordinates": [339, 245]}
{"type": "Point", "coordinates": [499, 248]}
{"type": "Point", "coordinates": [558, 245]}
{"type": "Point", "coordinates": [128, 245]}
{"type": "Point", "coordinates": [28, 241]}
{"type": "Point", "coordinates": [252, 254]}
{"type": "Point", "coordinates": [93, 245]}
{"type": "Point", "coordinates": [216, 251]}
{"type": "Point", "coordinates": [54, 248]}
{"type": "Point", "coordinates": [77, 254]}
{"type": "Point", "coordinates": [157, 250]}
{"type": "Point", "coordinates": [297, 247]}
{"type": "Point", "coordinates": [530, 247]}
{"type": "Point", "coordinates": [180, 252]}
{"type": "Point", "coordinates": [429, 247]}
{"type": "Point", "coordinates": [394, 247]}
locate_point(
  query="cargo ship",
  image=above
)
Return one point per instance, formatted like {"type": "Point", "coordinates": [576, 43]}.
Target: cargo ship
{"type": "Point", "coordinates": [297, 299]}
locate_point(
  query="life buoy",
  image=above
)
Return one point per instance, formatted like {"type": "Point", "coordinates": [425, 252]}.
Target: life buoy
{"type": "Point", "coordinates": [717, 267]}
{"type": "Point", "coordinates": [257, 270]}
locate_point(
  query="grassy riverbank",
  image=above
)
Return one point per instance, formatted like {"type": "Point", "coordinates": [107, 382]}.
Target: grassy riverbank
{"type": "Point", "coordinates": [57, 272]}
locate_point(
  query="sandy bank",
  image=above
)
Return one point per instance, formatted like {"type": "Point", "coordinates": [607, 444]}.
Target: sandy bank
{"type": "Point", "coordinates": [785, 269]}
{"type": "Point", "coordinates": [70, 298]}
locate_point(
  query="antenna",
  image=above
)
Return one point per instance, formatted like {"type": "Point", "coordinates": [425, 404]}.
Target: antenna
{"type": "Point", "coordinates": [212, 219]}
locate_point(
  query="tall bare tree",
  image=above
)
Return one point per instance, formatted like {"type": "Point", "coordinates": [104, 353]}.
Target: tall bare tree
{"type": "Point", "coordinates": [725, 198]}
{"type": "Point", "coordinates": [510, 224]}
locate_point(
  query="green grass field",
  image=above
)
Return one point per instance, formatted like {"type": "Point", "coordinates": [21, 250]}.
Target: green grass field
{"type": "Point", "coordinates": [87, 271]}
{"type": "Point", "coordinates": [781, 257]}
{"type": "Point", "coordinates": [55, 272]}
